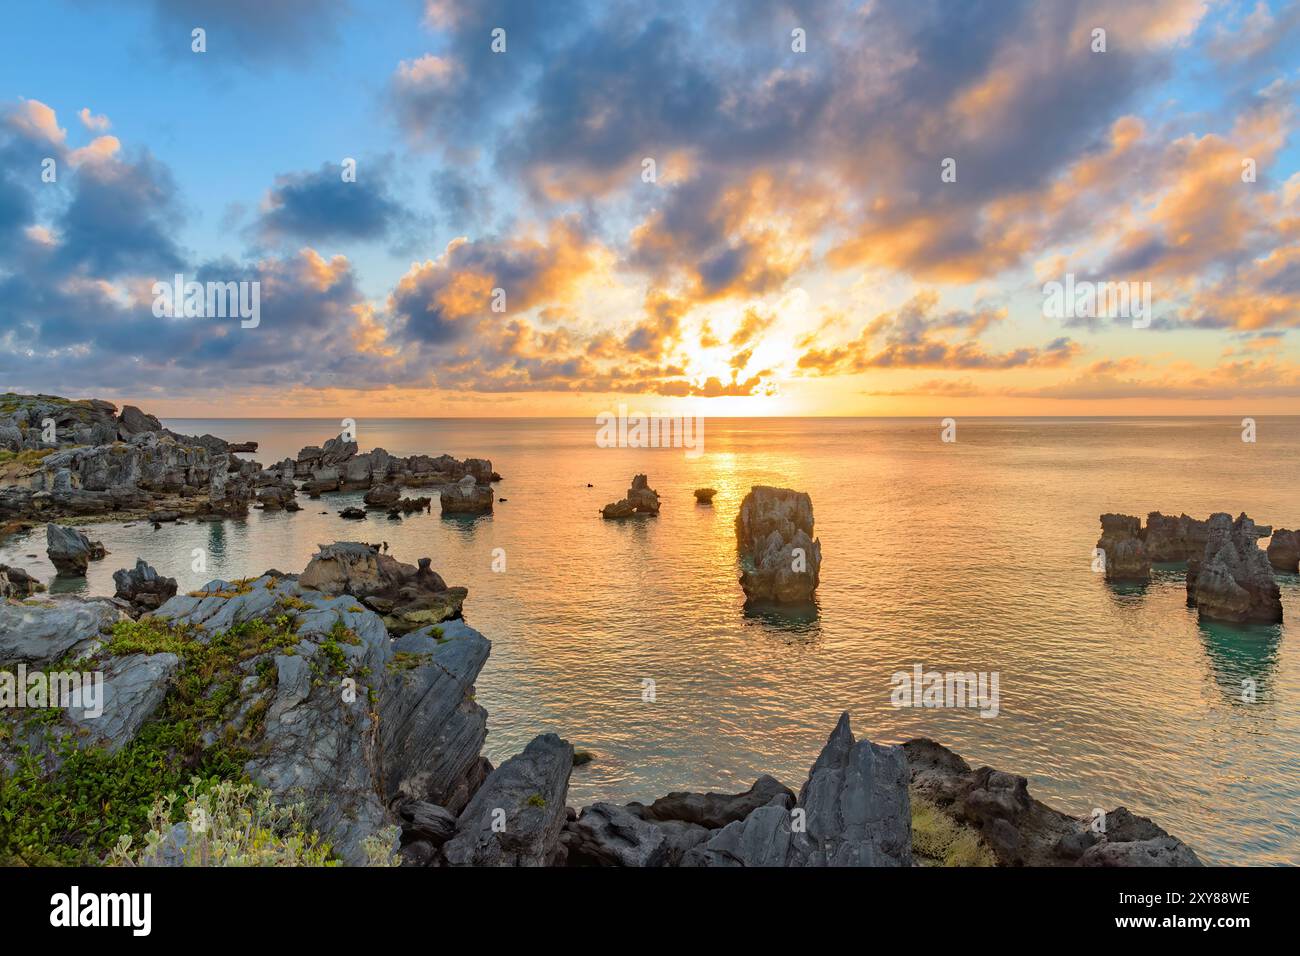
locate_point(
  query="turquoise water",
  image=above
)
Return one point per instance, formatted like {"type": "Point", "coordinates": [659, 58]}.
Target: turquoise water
{"type": "Point", "coordinates": [972, 556]}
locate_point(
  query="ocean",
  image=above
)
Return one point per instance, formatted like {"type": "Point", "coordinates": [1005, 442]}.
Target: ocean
{"type": "Point", "coordinates": [973, 556]}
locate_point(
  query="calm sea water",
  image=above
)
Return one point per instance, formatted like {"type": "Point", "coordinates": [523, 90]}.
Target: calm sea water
{"type": "Point", "coordinates": [972, 556]}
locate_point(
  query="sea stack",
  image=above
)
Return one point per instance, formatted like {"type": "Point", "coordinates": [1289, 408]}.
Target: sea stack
{"type": "Point", "coordinates": [641, 500]}
{"type": "Point", "coordinates": [705, 495]}
{"type": "Point", "coordinates": [467, 496]}
{"type": "Point", "coordinates": [1284, 550]}
{"type": "Point", "coordinates": [1126, 555]}
{"type": "Point", "coordinates": [1233, 580]}
{"type": "Point", "coordinates": [779, 558]}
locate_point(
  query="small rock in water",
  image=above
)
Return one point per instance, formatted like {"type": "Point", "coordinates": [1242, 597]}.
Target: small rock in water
{"type": "Point", "coordinates": [69, 550]}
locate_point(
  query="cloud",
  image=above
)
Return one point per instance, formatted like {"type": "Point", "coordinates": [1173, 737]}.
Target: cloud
{"type": "Point", "coordinates": [252, 32]}
{"type": "Point", "coordinates": [321, 205]}
{"type": "Point", "coordinates": [911, 337]}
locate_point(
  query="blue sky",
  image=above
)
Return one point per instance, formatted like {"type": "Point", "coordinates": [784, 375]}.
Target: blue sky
{"type": "Point", "coordinates": [797, 252]}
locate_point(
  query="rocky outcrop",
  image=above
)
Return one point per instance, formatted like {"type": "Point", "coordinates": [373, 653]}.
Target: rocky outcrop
{"type": "Point", "coordinates": [1126, 556]}
{"type": "Point", "coordinates": [779, 558]}
{"type": "Point", "coordinates": [49, 630]}
{"type": "Point", "coordinates": [852, 811]}
{"type": "Point", "coordinates": [143, 588]}
{"type": "Point", "coordinates": [466, 497]}
{"type": "Point", "coordinates": [1284, 550]}
{"type": "Point", "coordinates": [100, 463]}
{"type": "Point", "coordinates": [369, 732]}
{"type": "Point", "coordinates": [1233, 580]}
{"type": "Point", "coordinates": [715, 810]}
{"type": "Point", "coordinates": [856, 805]}
{"type": "Point", "coordinates": [16, 584]}
{"type": "Point", "coordinates": [408, 597]}
{"type": "Point", "coordinates": [1170, 539]}
{"type": "Point", "coordinates": [382, 496]}
{"type": "Point", "coordinates": [278, 497]}
{"type": "Point", "coordinates": [605, 834]}
{"type": "Point", "coordinates": [705, 495]}
{"type": "Point", "coordinates": [641, 500]}
{"type": "Point", "coordinates": [516, 817]}
{"type": "Point", "coordinates": [69, 550]}
{"type": "Point", "coordinates": [338, 465]}
{"type": "Point", "coordinates": [1021, 831]}
{"type": "Point", "coordinates": [134, 688]}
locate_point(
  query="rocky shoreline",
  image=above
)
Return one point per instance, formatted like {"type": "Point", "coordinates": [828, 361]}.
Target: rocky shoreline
{"type": "Point", "coordinates": [1229, 578]}
{"type": "Point", "coordinates": [302, 683]}
{"type": "Point", "coordinates": [64, 459]}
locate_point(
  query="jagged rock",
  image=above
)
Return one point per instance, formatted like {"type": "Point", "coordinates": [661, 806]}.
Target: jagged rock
{"type": "Point", "coordinates": [641, 500]}
{"type": "Point", "coordinates": [246, 447]}
{"type": "Point", "coordinates": [705, 495]}
{"type": "Point", "coordinates": [411, 731]}
{"type": "Point", "coordinates": [466, 497]}
{"type": "Point", "coordinates": [1233, 580]}
{"type": "Point", "coordinates": [143, 587]}
{"type": "Point", "coordinates": [1131, 840]}
{"type": "Point", "coordinates": [15, 583]}
{"type": "Point", "coordinates": [426, 822]}
{"type": "Point", "coordinates": [442, 768]}
{"type": "Point", "coordinates": [526, 793]}
{"type": "Point", "coordinates": [762, 839]}
{"type": "Point", "coordinates": [1121, 542]}
{"type": "Point", "coordinates": [714, 810]}
{"type": "Point", "coordinates": [779, 558]}
{"type": "Point", "coordinates": [1021, 831]}
{"type": "Point", "coordinates": [618, 509]}
{"type": "Point", "coordinates": [609, 835]}
{"type": "Point", "coordinates": [353, 514]}
{"type": "Point", "coordinates": [409, 598]}
{"type": "Point", "coordinates": [1167, 538]}
{"type": "Point", "coordinates": [48, 630]}
{"type": "Point", "coordinates": [69, 550]}
{"type": "Point", "coordinates": [1284, 550]}
{"type": "Point", "coordinates": [133, 422]}
{"type": "Point", "coordinates": [856, 805]}
{"type": "Point", "coordinates": [100, 463]}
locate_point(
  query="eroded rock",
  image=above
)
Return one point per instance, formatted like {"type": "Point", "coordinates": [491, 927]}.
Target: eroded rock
{"type": "Point", "coordinates": [779, 558]}
{"type": "Point", "coordinates": [69, 550]}
{"type": "Point", "coordinates": [516, 817]}
{"type": "Point", "coordinates": [1233, 581]}
{"type": "Point", "coordinates": [1126, 556]}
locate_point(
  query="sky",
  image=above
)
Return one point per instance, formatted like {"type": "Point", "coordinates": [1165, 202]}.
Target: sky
{"type": "Point", "coordinates": [828, 207]}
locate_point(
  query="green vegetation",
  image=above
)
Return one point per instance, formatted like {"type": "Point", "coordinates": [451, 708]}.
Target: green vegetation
{"type": "Point", "coordinates": [407, 661]}
{"type": "Point", "coordinates": [230, 824]}
{"type": "Point", "coordinates": [76, 815]}
{"type": "Point", "coordinates": [939, 840]}
{"type": "Point", "coordinates": [536, 800]}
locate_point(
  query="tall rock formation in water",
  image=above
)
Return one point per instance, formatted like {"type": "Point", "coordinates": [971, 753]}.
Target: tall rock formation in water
{"type": "Point", "coordinates": [780, 560]}
{"type": "Point", "coordinates": [1233, 581]}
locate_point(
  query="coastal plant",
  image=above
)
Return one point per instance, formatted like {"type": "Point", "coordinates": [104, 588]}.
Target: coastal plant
{"type": "Point", "coordinates": [939, 840]}
{"type": "Point", "coordinates": [226, 824]}
{"type": "Point", "coordinates": [67, 803]}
